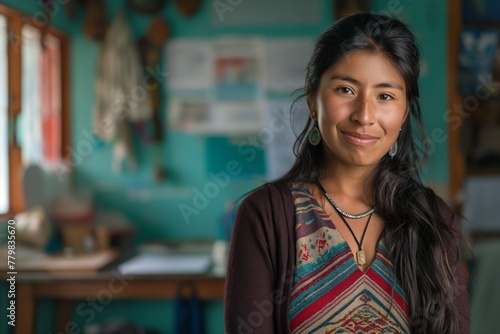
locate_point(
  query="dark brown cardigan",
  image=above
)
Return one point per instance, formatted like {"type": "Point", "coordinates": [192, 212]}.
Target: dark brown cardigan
{"type": "Point", "coordinates": [262, 259]}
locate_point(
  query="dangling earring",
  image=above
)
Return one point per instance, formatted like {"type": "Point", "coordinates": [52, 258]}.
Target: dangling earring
{"type": "Point", "coordinates": [314, 135]}
{"type": "Point", "coordinates": [394, 149]}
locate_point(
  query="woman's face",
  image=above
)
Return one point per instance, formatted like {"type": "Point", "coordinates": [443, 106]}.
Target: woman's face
{"type": "Point", "coordinates": [360, 107]}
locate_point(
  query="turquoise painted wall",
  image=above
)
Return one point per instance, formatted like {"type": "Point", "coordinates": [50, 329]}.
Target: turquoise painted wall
{"type": "Point", "coordinates": [185, 156]}
{"type": "Point", "coordinates": [34, 9]}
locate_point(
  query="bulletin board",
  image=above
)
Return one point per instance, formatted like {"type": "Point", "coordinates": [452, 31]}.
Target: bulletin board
{"type": "Point", "coordinates": [222, 86]}
{"type": "Point", "coordinates": [236, 91]}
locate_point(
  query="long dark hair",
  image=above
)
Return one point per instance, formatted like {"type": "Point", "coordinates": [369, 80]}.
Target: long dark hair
{"type": "Point", "coordinates": [417, 235]}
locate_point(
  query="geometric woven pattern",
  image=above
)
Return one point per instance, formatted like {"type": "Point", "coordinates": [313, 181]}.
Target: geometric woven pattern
{"type": "Point", "coordinates": [330, 294]}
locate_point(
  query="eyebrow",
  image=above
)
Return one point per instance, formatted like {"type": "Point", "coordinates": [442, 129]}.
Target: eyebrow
{"type": "Point", "coordinates": [356, 82]}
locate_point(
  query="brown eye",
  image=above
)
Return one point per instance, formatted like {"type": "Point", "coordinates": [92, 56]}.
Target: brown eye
{"type": "Point", "coordinates": [385, 97]}
{"type": "Point", "coordinates": [345, 90]}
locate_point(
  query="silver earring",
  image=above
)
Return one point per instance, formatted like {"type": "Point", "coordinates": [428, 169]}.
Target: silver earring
{"type": "Point", "coordinates": [314, 135]}
{"type": "Point", "coordinates": [394, 149]}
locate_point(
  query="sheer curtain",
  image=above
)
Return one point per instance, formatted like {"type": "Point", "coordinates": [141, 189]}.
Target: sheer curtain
{"type": "Point", "coordinates": [4, 145]}
{"type": "Point", "coordinates": [38, 124]}
{"type": "Point", "coordinates": [30, 118]}
{"type": "Point", "coordinates": [50, 103]}
{"type": "Point", "coordinates": [41, 94]}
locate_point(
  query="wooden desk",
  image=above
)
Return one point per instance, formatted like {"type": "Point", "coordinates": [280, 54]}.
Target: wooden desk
{"type": "Point", "coordinates": [103, 286]}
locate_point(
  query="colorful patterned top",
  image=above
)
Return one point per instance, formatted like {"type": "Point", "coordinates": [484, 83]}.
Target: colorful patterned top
{"type": "Point", "coordinates": [330, 294]}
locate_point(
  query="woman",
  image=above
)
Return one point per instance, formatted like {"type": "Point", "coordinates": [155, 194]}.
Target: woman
{"type": "Point", "coordinates": [349, 240]}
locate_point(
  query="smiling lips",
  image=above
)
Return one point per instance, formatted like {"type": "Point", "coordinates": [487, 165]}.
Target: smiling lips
{"type": "Point", "coordinates": [359, 138]}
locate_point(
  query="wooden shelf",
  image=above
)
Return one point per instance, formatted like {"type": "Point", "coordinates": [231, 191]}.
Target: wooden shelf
{"type": "Point", "coordinates": [485, 171]}
{"type": "Point", "coordinates": [494, 25]}
{"type": "Point", "coordinates": [488, 111]}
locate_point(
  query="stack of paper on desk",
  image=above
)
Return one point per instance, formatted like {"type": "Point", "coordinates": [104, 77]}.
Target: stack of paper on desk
{"type": "Point", "coordinates": [157, 264]}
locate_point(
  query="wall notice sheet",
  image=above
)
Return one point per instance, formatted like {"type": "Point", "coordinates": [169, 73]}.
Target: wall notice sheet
{"type": "Point", "coordinates": [286, 63]}
{"type": "Point", "coordinates": [215, 86]}
{"type": "Point", "coordinates": [189, 64]}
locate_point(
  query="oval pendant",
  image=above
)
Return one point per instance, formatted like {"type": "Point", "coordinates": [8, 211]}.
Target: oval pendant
{"type": "Point", "coordinates": [360, 257]}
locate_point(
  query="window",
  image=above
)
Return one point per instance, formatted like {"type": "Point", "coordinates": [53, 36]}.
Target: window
{"type": "Point", "coordinates": [34, 104]}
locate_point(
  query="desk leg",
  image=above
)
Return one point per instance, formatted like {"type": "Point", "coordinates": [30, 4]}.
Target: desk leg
{"type": "Point", "coordinates": [25, 309]}
{"type": "Point", "coordinates": [64, 315]}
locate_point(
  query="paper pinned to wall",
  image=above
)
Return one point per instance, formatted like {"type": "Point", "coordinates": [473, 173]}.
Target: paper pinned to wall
{"type": "Point", "coordinates": [238, 90]}
{"type": "Point", "coordinates": [198, 115]}
{"type": "Point", "coordinates": [216, 87]}
{"type": "Point", "coordinates": [189, 64]}
{"type": "Point", "coordinates": [238, 65]}
{"type": "Point", "coordinates": [234, 118]}
{"type": "Point", "coordinates": [286, 62]}
{"type": "Point", "coordinates": [280, 132]}
{"type": "Point", "coordinates": [190, 114]}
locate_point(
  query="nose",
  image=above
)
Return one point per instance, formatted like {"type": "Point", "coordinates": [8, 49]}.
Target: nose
{"type": "Point", "coordinates": [364, 112]}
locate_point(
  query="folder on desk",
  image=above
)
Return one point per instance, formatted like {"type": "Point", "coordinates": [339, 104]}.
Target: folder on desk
{"type": "Point", "coordinates": [166, 264]}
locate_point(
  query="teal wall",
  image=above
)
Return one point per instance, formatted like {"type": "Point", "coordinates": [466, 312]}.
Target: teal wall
{"type": "Point", "coordinates": [185, 156]}
{"type": "Point", "coordinates": [37, 12]}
